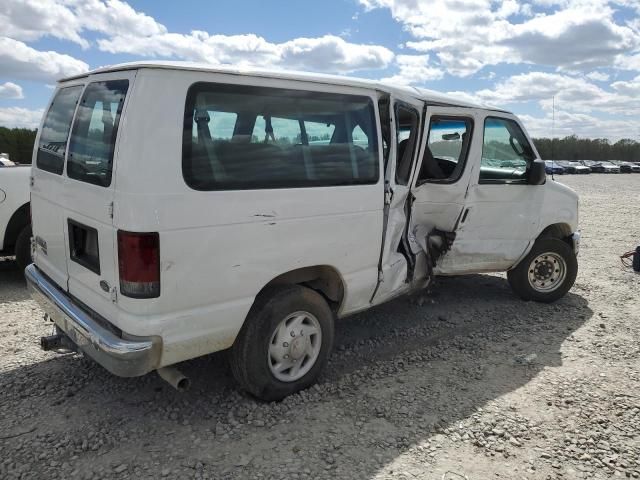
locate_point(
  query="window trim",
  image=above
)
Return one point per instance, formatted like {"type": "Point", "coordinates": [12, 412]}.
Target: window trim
{"type": "Point", "coordinates": [464, 152]}
{"type": "Point", "coordinates": [187, 141]}
{"type": "Point", "coordinates": [398, 104]}
{"type": "Point", "coordinates": [498, 181]}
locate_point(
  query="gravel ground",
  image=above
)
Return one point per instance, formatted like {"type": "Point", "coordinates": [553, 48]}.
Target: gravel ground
{"type": "Point", "coordinates": [466, 383]}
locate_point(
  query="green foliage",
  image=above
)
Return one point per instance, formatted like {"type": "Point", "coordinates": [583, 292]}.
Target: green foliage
{"type": "Point", "coordinates": [574, 148]}
{"type": "Point", "coordinates": [18, 143]}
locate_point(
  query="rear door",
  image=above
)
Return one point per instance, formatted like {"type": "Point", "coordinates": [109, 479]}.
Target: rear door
{"type": "Point", "coordinates": [92, 158]}
{"type": "Point", "coordinates": [48, 183]}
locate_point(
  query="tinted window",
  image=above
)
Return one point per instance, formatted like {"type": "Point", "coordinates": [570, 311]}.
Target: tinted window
{"type": "Point", "coordinates": [94, 132]}
{"type": "Point", "coordinates": [447, 149]}
{"type": "Point", "coordinates": [55, 130]}
{"type": "Point", "coordinates": [506, 152]}
{"type": "Point", "coordinates": [281, 138]}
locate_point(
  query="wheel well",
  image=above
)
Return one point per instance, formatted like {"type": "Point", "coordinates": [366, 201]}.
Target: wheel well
{"type": "Point", "coordinates": [322, 278]}
{"type": "Point", "coordinates": [18, 221]}
{"type": "Point", "coordinates": [557, 230]}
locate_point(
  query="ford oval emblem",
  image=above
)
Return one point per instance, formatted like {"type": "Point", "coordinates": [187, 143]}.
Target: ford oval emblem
{"type": "Point", "coordinates": [104, 286]}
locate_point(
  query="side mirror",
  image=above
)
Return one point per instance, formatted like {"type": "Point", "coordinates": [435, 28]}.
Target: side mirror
{"type": "Point", "coordinates": [537, 174]}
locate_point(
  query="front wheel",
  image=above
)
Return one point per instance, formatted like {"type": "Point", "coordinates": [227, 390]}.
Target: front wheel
{"type": "Point", "coordinates": [546, 273]}
{"type": "Point", "coordinates": [284, 343]}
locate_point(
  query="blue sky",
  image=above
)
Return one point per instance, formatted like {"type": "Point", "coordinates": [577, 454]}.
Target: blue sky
{"type": "Point", "coordinates": [512, 54]}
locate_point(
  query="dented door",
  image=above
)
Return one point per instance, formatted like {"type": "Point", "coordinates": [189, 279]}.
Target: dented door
{"type": "Point", "coordinates": [501, 210]}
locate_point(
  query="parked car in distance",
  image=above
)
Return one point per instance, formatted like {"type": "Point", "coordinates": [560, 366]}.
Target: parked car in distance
{"type": "Point", "coordinates": [15, 226]}
{"type": "Point", "coordinates": [596, 167]}
{"type": "Point", "coordinates": [610, 167]}
{"type": "Point", "coordinates": [181, 209]}
{"type": "Point", "coordinates": [573, 167]}
{"type": "Point", "coordinates": [627, 167]}
{"type": "Point", "coordinates": [553, 167]}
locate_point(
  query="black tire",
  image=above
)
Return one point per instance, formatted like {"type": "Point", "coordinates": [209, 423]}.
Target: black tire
{"type": "Point", "coordinates": [23, 248]}
{"type": "Point", "coordinates": [250, 352]}
{"type": "Point", "coordinates": [519, 276]}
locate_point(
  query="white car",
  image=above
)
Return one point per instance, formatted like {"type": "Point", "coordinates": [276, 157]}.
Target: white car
{"type": "Point", "coordinates": [183, 209]}
{"type": "Point", "coordinates": [15, 227]}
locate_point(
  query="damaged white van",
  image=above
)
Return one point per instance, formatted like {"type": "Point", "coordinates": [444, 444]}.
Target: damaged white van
{"type": "Point", "coordinates": [180, 210]}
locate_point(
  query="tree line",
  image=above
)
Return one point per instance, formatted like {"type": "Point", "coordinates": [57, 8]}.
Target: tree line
{"type": "Point", "coordinates": [18, 143]}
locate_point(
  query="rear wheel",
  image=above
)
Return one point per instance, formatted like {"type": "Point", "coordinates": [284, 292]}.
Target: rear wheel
{"type": "Point", "coordinates": [23, 247]}
{"type": "Point", "coordinates": [546, 273]}
{"type": "Point", "coordinates": [284, 343]}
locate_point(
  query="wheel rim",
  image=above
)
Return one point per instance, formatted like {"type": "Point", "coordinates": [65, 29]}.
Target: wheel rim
{"type": "Point", "coordinates": [547, 272]}
{"type": "Point", "coordinates": [294, 346]}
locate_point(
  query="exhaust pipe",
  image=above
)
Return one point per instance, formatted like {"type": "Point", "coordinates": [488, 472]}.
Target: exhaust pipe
{"type": "Point", "coordinates": [175, 378]}
{"type": "Point", "coordinates": [52, 342]}
{"type": "Point", "coordinates": [59, 342]}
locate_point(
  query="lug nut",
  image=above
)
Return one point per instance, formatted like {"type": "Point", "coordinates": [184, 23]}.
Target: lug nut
{"type": "Point", "coordinates": [293, 334]}
{"type": "Point", "coordinates": [285, 344]}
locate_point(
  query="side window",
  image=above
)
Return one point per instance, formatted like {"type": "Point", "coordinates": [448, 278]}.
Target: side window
{"type": "Point", "coordinates": [506, 152]}
{"type": "Point", "coordinates": [447, 149]}
{"type": "Point", "coordinates": [220, 124]}
{"type": "Point", "coordinates": [321, 133]}
{"type": "Point", "coordinates": [55, 130]}
{"type": "Point", "coordinates": [93, 137]}
{"type": "Point", "coordinates": [281, 139]}
{"type": "Point", "coordinates": [282, 131]}
{"type": "Point", "coordinates": [406, 133]}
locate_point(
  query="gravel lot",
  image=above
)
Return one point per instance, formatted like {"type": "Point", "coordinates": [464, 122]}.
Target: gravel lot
{"type": "Point", "coordinates": [466, 383]}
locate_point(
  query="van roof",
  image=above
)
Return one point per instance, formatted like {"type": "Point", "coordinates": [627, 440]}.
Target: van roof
{"type": "Point", "coordinates": [419, 93]}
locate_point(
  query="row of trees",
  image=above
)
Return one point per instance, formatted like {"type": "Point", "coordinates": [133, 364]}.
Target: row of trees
{"type": "Point", "coordinates": [574, 148]}
{"type": "Point", "coordinates": [18, 143]}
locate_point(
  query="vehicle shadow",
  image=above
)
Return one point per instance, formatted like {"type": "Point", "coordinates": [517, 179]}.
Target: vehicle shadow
{"type": "Point", "coordinates": [12, 283]}
{"type": "Point", "coordinates": [400, 374]}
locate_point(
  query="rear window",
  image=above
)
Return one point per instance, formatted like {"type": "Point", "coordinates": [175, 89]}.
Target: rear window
{"type": "Point", "coordinates": [93, 137]}
{"type": "Point", "coordinates": [242, 137]}
{"type": "Point", "coordinates": [55, 130]}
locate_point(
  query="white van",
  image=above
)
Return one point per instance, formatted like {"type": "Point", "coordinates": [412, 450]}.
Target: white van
{"type": "Point", "coordinates": [182, 209]}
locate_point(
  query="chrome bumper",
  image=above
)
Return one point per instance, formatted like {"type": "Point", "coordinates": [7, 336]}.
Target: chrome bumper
{"type": "Point", "coordinates": [125, 357]}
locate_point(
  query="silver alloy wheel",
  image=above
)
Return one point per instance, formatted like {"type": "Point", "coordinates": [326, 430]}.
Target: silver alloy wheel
{"type": "Point", "coordinates": [294, 346]}
{"type": "Point", "coordinates": [547, 272]}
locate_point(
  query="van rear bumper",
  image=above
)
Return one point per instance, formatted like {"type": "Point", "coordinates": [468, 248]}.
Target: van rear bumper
{"type": "Point", "coordinates": [125, 355]}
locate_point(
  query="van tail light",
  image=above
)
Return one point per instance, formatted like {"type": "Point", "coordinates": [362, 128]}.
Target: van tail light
{"type": "Point", "coordinates": [139, 264]}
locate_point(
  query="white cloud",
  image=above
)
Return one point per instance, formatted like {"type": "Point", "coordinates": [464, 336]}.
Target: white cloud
{"type": "Point", "coordinates": [32, 19]}
{"type": "Point", "coordinates": [18, 60]}
{"type": "Point", "coordinates": [467, 35]}
{"type": "Point", "coordinates": [414, 70]}
{"type": "Point", "coordinates": [327, 53]}
{"type": "Point", "coordinates": [20, 117]}
{"type": "Point", "coordinates": [597, 76]}
{"type": "Point", "coordinates": [10, 91]}
{"type": "Point", "coordinates": [582, 125]}
{"type": "Point", "coordinates": [125, 30]}
{"type": "Point", "coordinates": [630, 88]}
{"type": "Point", "coordinates": [571, 93]}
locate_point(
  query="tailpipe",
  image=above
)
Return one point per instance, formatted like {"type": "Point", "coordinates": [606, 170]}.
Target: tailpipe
{"type": "Point", "coordinates": [59, 343]}
{"type": "Point", "coordinates": [51, 342]}
{"type": "Point", "coordinates": [175, 378]}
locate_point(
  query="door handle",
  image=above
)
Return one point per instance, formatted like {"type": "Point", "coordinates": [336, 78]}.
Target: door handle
{"type": "Point", "coordinates": [464, 215]}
